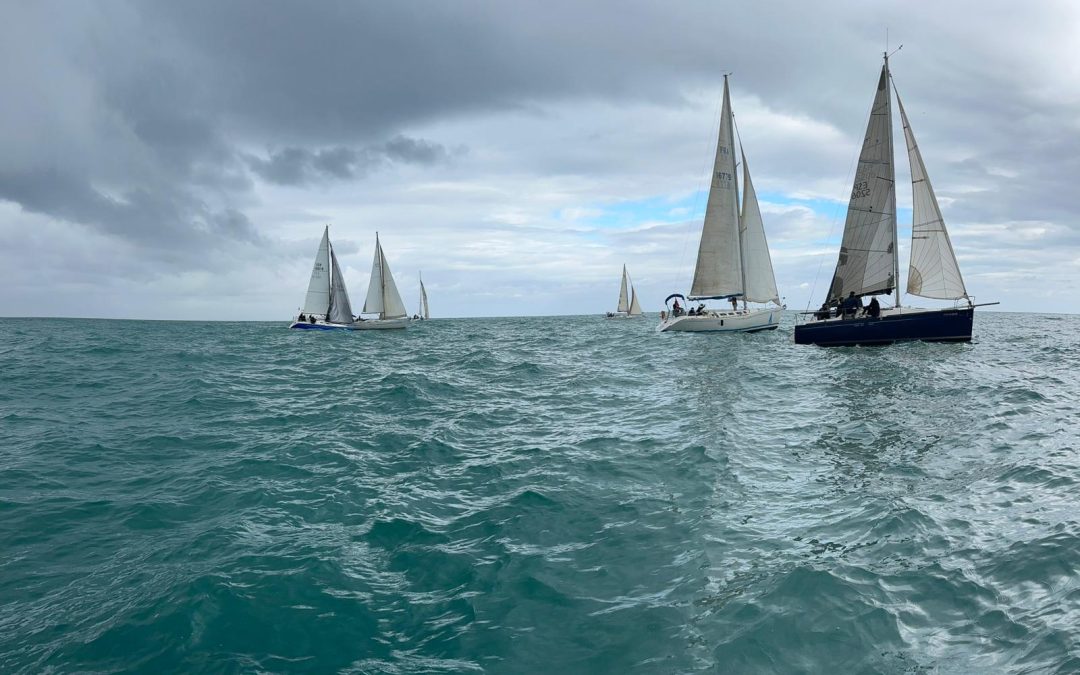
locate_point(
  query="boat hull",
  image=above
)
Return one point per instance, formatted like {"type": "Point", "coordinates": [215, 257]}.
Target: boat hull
{"type": "Point", "coordinates": [304, 325]}
{"type": "Point", "coordinates": [723, 322]}
{"type": "Point", "coordinates": [382, 324]}
{"type": "Point", "coordinates": [945, 325]}
{"type": "Point", "coordinates": [624, 316]}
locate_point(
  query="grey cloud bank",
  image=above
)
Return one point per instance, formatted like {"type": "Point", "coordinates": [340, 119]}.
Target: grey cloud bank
{"type": "Point", "coordinates": [177, 160]}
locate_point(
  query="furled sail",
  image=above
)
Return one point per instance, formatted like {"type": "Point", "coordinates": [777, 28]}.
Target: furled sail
{"type": "Point", "coordinates": [624, 304]}
{"type": "Point", "coordinates": [868, 256]}
{"type": "Point", "coordinates": [340, 311]}
{"type": "Point", "coordinates": [317, 300]}
{"type": "Point", "coordinates": [635, 308]}
{"type": "Point", "coordinates": [757, 263]}
{"type": "Point", "coordinates": [383, 297]}
{"type": "Point", "coordinates": [719, 272]}
{"type": "Point", "coordinates": [933, 272]}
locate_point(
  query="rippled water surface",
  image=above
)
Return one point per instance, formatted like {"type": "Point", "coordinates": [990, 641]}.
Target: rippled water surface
{"type": "Point", "coordinates": [536, 495]}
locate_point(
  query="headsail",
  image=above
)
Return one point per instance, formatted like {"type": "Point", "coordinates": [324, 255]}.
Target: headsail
{"type": "Point", "coordinates": [339, 311]}
{"type": "Point", "coordinates": [382, 296]}
{"type": "Point", "coordinates": [317, 300]}
{"type": "Point", "coordinates": [423, 301]}
{"type": "Point", "coordinates": [635, 308]}
{"type": "Point", "coordinates": [933, 272]}
{"type": "Point", "coordinates": [758, 270]}
{"type": "Point", "coordinates": [719, 271]}
{"type": "Point", "coordinates": [624, 305]}
{"type": "Point", "coordinates": [868, 256]}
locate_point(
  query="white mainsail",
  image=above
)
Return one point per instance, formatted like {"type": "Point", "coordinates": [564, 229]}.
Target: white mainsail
{"type": "Point", "coordinates": [340, 310]}
{"type": "Point", "coordinates": [423, 301]}
{"type": "Point", "coordinates": [382, 296]}
{"type": "Point", "coordinates": [868, 257]}
{"type": "Point", "coordinates": [317, 300]}
{"type": "Point", "coordinates": [718, 272]}
{"type": "Point", "coordinates": [624, 305]}
{"type": "Point", "coordinates": [933, 272]}
{"type": "Point", "coordinates": [635, 308]}
{"type": "Point", "coordinates": [757, 263]}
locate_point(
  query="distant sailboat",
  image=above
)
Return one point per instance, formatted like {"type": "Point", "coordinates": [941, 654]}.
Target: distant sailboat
{"type": "Point", "coordinates": [869, 262]}
{"type": "Point", "coordinates": [422, 314]}
{"type": "Point", "coordinates": [383, 298]}
{"type": "Point", "coordinates": [326, 306]}
{"type": "Point", "coordinates": [627, 308]}
{"type": "Point", "coordinates": [733, 259]}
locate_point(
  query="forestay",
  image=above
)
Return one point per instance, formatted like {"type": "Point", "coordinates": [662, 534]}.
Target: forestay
{"type": "Point", "coordinates": [718, 271]}
{"type": "Point", "coordinates": [757, 263]}
{"type": "Point", "coordinates": [868, 261]}
{"type": "Point", "coordinates": [933, 272]}
{"type": "Point", "coordinates": [317, 300]}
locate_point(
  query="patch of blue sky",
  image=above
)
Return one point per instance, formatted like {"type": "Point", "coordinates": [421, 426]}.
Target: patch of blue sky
{"type": "Point", "coordinates": [634, 213]}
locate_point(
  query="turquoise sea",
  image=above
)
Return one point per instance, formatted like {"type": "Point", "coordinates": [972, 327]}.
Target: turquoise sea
{"type": "Point", "coordinates": [536, 495]}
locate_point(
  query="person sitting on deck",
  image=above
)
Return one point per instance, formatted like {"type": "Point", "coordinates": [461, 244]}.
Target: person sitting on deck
{"type": "Point", "coordinates": [691, 312]}
{"type": "Point", "coordinates": [852, 305]}
{"type": "Point", "coordinates": [824, 312]}
{"type": "Point", "coordinates": [701, 309]}
{"type": "Point", "coordinates": [676, 309]}
{"type": "Point", "coordinates": [734, 304]}
{"type": "Point", "coordinates": [311, 318]}
{"type": "Point", "coordinates": [301, 319]}
{"type": "Point", "coordinates": [874, 308]}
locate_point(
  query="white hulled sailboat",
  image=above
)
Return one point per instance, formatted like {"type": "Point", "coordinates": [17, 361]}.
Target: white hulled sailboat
{"type": "Point", "coordinates": [383, 298]}
{"type": "Point", "coordinates": [733, 261]}
{"type": "Point", "coordinates": [627, 308]}
{"type": "Point", "coordinates": [326, 306]}
{"type": "Point", "coordinates": [869, 262]}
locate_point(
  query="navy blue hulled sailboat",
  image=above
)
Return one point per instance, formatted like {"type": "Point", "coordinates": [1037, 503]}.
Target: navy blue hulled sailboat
{"type": "Point", "coordinates": [869, 263]}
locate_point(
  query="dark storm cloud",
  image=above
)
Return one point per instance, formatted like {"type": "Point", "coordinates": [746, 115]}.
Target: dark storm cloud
{"type": "Point", "coordinates": [299, 166]}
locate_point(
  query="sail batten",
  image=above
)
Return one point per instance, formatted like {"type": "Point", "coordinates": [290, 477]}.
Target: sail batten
{"type": "Point", "coordinates": [718, 271]}
{"type": "Point", "coordinates": [933, 271]}
{"type": "Point", "coordinates": [868, 260]}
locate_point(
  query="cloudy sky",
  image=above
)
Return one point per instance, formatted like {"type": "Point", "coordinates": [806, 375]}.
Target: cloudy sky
{"type": "Point", "coordinates": [179, 159]}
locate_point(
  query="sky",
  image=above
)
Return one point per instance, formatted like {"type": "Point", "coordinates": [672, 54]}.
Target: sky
{"type": "Point", "coordinates": [178, 160]}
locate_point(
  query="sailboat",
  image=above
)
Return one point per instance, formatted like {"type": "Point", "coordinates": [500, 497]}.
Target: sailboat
{"type": "Point", "coordinates": [383, 298]}
{"type": "Point", "coordinates": [626, 309]}
{"type": "Point", "coordinates": [326, 306]}
{"type": "Point", "coordinates": [733, 261]}
{"type": "Point", "coordinates": [422, 313]}
{"type": "Point", "coordinates": [869, 262]}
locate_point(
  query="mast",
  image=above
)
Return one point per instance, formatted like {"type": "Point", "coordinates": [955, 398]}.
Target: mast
{"type": "Point", "coordinates": [739, 212]}
{"type": "Point", "coordinates": [892, 164]}
{"type": "Point", "coordinates": [382, 276]}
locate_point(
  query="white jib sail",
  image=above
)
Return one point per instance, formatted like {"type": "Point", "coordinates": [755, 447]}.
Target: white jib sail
{"type": "Point", "coordinates": [933, 272]}
{"type": "Point", "coordinates": [340, 310]}
{"type": "Point", "coordinates": [867, 262]}
{"type": "Point", "coordinates": [758, 272]}
{"type": "Point", "coordinates": [317, 300]}
{"type": "Point", "coordinates": [624, 305]}
{"type": "Point", "coordinates": [423, 301]}
{"type": "Point", "coordinates": [382, 296]}
{"type": "Point", "coordinates": [635, 308]}
{"type": "Point", "coordinates": [719, 271]}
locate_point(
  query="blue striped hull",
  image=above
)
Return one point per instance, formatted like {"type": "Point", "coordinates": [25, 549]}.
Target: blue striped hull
{"type": "Point", "coordinates": [946, 325]}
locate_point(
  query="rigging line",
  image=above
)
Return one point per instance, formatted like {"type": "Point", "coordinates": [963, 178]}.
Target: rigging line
{"type": "Point", "coordinates": [679, 269]}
